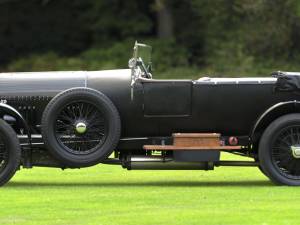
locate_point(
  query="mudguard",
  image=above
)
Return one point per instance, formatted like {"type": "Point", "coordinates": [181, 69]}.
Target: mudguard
{"type": "Point", "coordinates": [7, 109]}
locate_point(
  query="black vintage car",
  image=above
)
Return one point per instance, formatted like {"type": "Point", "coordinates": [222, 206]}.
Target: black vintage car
{"type": "Point", "coordinates": [78, 119]}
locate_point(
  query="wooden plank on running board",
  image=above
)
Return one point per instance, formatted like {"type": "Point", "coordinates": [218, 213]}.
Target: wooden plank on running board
{"type": "Point", "coordinates": [196, 135]}
{"type": "Point", "coordinates": [196, 139]}
{"type": "Point", "coordinates": [182, 148]}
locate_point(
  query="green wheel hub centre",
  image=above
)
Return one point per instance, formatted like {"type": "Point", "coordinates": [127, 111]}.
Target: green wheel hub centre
{"type": "Point", "coordinates": [81, 128]}
{"type": "Point", "coordinates": [296, 151]}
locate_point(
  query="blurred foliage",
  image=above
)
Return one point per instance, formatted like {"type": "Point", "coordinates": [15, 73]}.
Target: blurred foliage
{"type": "Point", "coordinates": [114, 56]}
{"type": "Point", "coordinates": [233, 37]}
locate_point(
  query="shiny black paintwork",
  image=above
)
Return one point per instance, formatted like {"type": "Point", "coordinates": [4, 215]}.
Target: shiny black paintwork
{"type": "Point", "coordinates": [151, 108]}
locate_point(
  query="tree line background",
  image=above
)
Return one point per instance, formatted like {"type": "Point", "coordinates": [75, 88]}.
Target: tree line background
{"type": "Point", "coordinates": [190, 37]}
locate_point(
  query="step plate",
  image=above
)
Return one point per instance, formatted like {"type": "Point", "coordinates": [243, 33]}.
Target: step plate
{"type": "Point", "coordinates": [174, 148]}
{"type": "Point", "coordinates": [196, 139]}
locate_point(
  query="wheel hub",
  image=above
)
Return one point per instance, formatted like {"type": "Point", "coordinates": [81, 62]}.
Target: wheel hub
{"type": "Point", "coordinates": [296, 151]}
{"type": "Point", "coordinates": [81, 128]}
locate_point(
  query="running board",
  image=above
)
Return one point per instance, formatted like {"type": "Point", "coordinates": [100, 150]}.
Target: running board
{"type": "Point", "coordinates": [181, 148]}
{"type": "Point", "coordinates": [194, 141]}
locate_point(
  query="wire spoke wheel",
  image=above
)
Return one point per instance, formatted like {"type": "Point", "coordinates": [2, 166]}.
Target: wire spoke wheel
{"type": "Point", "coordinates": [10, 152]}
{"type": "Point", "coordinates": [81, 127]}
{"type": "Point", "coordinates": [3, 155]}
{"type": "Point", "coordinates": [279, 150]}
{"type": "Point", "coordinates": [286, 151]}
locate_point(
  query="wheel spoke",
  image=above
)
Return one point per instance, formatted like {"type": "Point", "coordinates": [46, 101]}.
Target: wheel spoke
{"type": "Point", "coordinates": [80, 141]}
{"type": "Point", "coordinates": [3, 155]}
{"type": "Point", "coordinates": [282, 154]}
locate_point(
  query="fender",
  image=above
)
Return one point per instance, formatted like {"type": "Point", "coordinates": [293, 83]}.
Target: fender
{"type": "Point", "coordinates": [4, 108]}
{"type": "Point", "coordinates": [273, 113]}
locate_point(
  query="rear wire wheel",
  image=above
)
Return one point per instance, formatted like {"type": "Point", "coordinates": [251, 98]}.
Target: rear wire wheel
{"type": "Point", "coordinates": [81, 127]}
{"type": "Point", "coordinates": [279, 150]}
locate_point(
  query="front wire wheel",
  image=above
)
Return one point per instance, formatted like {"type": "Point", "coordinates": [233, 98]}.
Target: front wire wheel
{"type": "Point", "coordinates": [10, 152]}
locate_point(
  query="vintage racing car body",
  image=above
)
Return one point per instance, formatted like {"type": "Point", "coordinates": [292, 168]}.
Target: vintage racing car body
{"type": "Point", "coordinates": [77, 119]}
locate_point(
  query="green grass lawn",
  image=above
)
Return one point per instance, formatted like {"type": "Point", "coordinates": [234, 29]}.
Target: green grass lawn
{"type": "Point", "coordinates": [111, 195]}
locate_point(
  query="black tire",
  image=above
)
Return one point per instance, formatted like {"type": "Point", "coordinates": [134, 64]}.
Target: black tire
{"type": "Point", "coordinates": [275, 150]}
{"type": "Point", "coordinates": [10, 152]}
{"type": "Point", "coordinates": [77, 106]}
{"type": "Point", "coordinates": [261, 170]}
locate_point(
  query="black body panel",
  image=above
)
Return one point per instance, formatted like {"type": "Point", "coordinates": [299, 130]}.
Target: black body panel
{"type": "Point", "coordinates": [167, 98]}
{"type": "Point", "coordinates": [152, 108]}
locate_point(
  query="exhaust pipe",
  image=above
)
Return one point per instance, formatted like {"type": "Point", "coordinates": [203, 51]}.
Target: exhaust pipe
{"type": "Point", "coordinates": [162, 163]}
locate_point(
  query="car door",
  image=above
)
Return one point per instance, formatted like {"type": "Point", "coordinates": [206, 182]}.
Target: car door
{"type": "Point", "coordinates": [167, 98]}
